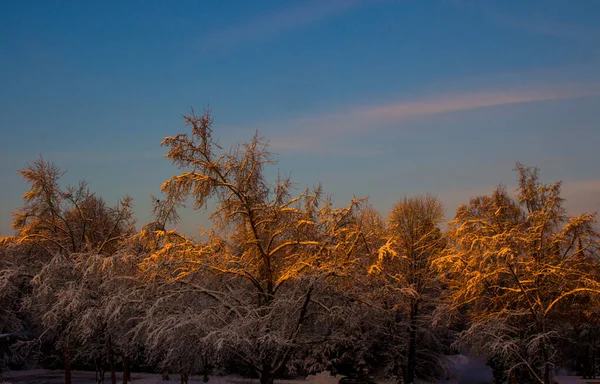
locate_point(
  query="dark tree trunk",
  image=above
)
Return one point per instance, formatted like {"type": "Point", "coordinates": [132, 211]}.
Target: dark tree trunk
{"type": "Point", "coordinates": [67, 367]}
{"type": "Point", "coordinates": [593, 360]}
{"type": "Point", "coordinates": [184, 378]}
{"type": "Point", "coordinates": [100, 375]}
{"type": "Point", "coordinates": [113, 371]}
{"type": "Point", "coordinates": [547, 373]}
{"type": "Point", "coordinates": [267, 377]}
{"type": "Point", "coordinates": [111, 361]}
{"type": "Point", "coordinates": [126, 373]}
{"type": "Point", "coordinates": [412, 344]}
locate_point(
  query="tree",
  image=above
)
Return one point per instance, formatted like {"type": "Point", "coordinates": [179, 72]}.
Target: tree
{"type": "Point", "coordinates": [68, 229]}
{"type": "Point", "coordinates": [515, 263]}
{"type": "Point", "coordinates": [413, 241]}
{"type": "Point", "coordinates": [357, 331]}
{"type": "Point", "coordinates": [580, 334]}
{"type": "Point", "coordinates": [15, 275]}
{"type": "Point", "coordinates": [267, 259]}
{"type": "Point", "coordinates": [129, 295]}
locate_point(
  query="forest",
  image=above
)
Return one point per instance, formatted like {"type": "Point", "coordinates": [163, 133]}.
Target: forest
{"type": "Point", "coordinates": [287, 283]}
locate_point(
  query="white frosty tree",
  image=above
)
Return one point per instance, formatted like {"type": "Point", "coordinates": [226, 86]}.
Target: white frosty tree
{"type": "Point", "coordinates": [16, 270]}
{"type": "Point", "coordinates": [69, 229]}
{"type": "Point", "coordinates": [14, 278]}
{"type": "Point", "coordinates": [253, 286]}
{"type": "Point", "coordinates": [515, 263]}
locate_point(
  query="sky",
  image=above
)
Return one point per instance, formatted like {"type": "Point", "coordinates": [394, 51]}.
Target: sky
{"type": "Point", "coordinates": [379, 98]}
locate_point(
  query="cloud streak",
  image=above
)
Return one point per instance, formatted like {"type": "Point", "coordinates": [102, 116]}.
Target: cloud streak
{"type": "Point", "coordinates": [313, 133]}
{"type": "Point", "coordinates": [268, 26]}
{"type": "Point", "coordinates": [549, 27]}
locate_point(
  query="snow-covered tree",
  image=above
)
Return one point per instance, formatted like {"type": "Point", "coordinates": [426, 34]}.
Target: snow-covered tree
{"type": "Point", "coordinates": [580, 334]}
{"type": "Point", "coordinates": [69, 220]}
{"type": "Point", "coordinates": [253, 286]}
{"type": "Point", "coordinates": [16, 270]}
{"type": "Point", "coordinates": [68, 229]}
{"type": "Point", "coordinates": [14, 278]}
{"type": "Point", "coordinates": [129, 294]}
{"type": "Point", "coordinates": [517, 263]}
{"type": "Point", "coordinates": [352, 320]}
{"type": "Point", "coordinates": [404, 267]}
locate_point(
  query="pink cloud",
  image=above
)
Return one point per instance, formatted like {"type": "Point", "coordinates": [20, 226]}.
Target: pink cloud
{"type": "Point", "coordinates": [460, 102]}
{"type": "Point", "coordinates": [320, 131]}
{"type": "Point", "coordinates": [402, 110]}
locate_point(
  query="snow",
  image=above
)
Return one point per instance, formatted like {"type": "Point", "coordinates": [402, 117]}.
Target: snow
{"type": "Point", "coordinates": [463, 371]}
{"type": "Point", "coordinates": [466, 371]}
{"type": "Point", "coordinates": [39, 376]}
{"type": "Point", "coordinates": [574, 380]}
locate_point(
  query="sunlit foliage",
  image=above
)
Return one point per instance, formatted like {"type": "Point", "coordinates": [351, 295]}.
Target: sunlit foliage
{"type": "Point", "coordinates": [286, 281]}
{"type": "Point", "coordinates": [516, 262]}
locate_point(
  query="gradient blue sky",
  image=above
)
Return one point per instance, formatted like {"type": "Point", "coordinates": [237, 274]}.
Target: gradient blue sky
{"type": "Point", "coordinates": [371, 98]}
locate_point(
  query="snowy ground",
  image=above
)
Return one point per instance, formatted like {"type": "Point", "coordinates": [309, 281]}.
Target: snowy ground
{"type": "Point", "coordinates": [465, 371]}
{"type": "Point", "coordinates": [41, 376]}
{"type": "Point", "coordinates": [44, 376]}
{"type": "Point", "coordinates": [470, 373]}
{"type": "Point", "coordinates": [575, 380]}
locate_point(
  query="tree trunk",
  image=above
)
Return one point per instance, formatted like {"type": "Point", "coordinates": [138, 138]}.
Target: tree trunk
{"type": "Point", "coordinates": [412, 345]}
{"type": "Point", "coordinates": [100, 375]}
{"type": "Point", "coordinates": [67, 367]}
{"type": "Point", "coordinates": [126, 368]}
{"type": "Point", "coordinates": [184, 377]}
{"type": "Point", "coordinates": [547, 373]}
{"type": "Point", "coordinates": [267, 377]}
{"type": "Point", "coordinates": [113, 372]}
{"type": "Point", "coordinates": [593, 360]}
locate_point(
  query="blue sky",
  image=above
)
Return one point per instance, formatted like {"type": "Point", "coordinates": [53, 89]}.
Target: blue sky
{"type": "Point", "coordinates": [372, 98]}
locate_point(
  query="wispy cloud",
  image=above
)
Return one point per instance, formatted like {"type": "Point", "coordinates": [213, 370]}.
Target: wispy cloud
{"type": "Point", "coordinates": [397, 111]}
{"type": "Point", "coordinates": [312, 133]}
{"type": "Point", "coordinates": [268, 26]}
{"type": "Point", "coordinates": [549, 27]}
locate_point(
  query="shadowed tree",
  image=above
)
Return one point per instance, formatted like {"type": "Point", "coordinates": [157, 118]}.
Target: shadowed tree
{"type": "Point", "coordinates": [414, 241]}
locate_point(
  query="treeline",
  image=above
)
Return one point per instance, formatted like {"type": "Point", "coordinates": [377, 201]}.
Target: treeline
{"type": "Point", "coordinates": [287, 283]}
